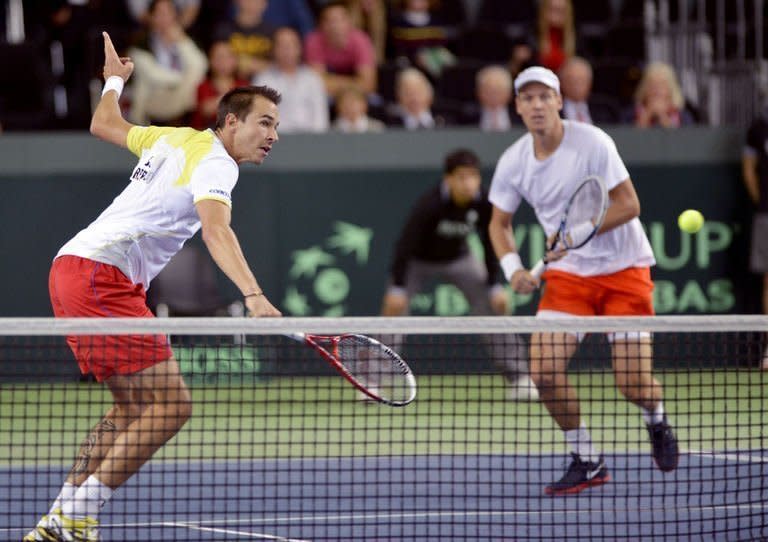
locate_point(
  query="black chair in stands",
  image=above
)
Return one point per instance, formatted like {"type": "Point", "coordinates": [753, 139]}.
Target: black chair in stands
{"type": "Point", "coordinates": [452, 12]}
{"type": "Point", "coordinates": [593, 19]}
{"type": "Point", "coordinates": [626, 40]}
{"type": "Point", "coordinates": [516, 18]}
{"type": "Point", "coordinates": [457, 82]}
{"type": "Point", "coordinates": [596, 12]}
{"type": "Point", "coordinates": [26, 87]}
{"type": "Point", "coordinates": [508, 12]}
{"type": "Point", "coordinates": [616, 77]}
{"type": "Point", "coordinates": [484, 42]}
{"type": "Point", "coordinates": [632, 11]}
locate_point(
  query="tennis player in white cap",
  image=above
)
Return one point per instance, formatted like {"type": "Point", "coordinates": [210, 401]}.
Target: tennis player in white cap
{"type": "Point", "coordinates": [610, 275]}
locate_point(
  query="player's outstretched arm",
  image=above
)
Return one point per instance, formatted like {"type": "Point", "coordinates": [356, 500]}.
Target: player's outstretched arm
{"type": "Point", "coordinates": [108, 122]}
{"type": "Point", "coordinates": [225, 250]}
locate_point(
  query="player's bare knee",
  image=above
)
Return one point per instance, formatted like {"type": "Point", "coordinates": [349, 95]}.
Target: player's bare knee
{"type": "Point", "coordinates": [128, 410]}
{"type": "Point", "coordinates": [632, 388]}
{"type": "Point", "coordinates": [543, 376]}
{"type": "Point", "coordinates": [178, 405]}
{"type": "Point", "coordinates": [184, 406]}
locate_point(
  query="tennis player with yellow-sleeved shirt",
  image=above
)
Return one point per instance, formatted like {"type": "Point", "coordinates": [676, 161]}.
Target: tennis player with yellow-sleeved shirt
{"type": "Point", "coordinates": [182, 183]}
{"type": "Point", "coordinates": [610, 275]}
{"type": "Point", "coordinates": [135, 237]}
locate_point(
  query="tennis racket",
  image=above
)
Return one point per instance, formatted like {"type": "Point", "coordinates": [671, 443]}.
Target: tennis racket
{"type": "Point", "coordinates": [584, 214]}
{"type": "Point", "coordinates": [372, 367]}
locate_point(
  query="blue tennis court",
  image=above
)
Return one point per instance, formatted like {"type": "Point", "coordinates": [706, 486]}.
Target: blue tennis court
{"type": "Point", "coordinates": [712, 496]}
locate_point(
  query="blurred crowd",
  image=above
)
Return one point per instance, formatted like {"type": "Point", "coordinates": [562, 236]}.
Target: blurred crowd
{"type": "Point", "coordinates": [346, 65]}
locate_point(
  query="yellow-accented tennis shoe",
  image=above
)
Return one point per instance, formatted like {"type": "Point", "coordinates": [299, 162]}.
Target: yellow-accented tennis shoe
{"type": "Point", "coordinates": [56, 527]}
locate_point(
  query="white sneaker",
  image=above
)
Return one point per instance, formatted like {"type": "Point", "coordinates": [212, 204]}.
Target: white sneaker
{"type": "Point", "coordinates": [522, 389]}
{"type": "Point", "coordinates": [33, 535]}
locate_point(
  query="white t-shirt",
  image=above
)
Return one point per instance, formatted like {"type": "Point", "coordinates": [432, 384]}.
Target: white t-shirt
{"type": "Point", "coordinates": [155, 214]}
{"type": "Point", "coordinates": [547, 184]}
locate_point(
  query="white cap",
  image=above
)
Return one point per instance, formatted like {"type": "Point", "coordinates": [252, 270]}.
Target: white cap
{"type": "Point", "coordinates": [537, 74]}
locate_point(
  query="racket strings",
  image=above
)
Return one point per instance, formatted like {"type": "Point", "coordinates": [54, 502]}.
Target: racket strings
{"type": "Point", "coordinates": [584, 214]}
{"type": "Point", "coordinates": [375, 367]}
{"type": "Point", "coordinates": [587, 204]}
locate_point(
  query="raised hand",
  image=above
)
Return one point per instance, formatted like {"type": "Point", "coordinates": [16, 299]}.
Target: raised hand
{"type": "Point", "coordinates": [114, 64]}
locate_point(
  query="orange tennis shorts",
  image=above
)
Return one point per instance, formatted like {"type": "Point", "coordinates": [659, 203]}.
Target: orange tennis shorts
{"type": "Point", "coordinates": [625, 293]}
{"type": "Point", "coordinates": [80, 287]}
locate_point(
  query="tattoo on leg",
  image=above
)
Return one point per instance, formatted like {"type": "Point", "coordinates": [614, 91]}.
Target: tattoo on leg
{"type": "Point", "coordinates": [90, 442]}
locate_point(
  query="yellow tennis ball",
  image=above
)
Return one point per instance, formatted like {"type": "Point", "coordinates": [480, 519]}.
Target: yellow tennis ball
{"type": "Point", "coordinates": [690, 221]}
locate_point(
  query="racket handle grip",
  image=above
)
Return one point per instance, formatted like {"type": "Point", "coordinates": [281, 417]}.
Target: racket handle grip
{"type": "Point", "coordinates": [538, 269]}
{"type": "Point", "coordinates": [295, 336]}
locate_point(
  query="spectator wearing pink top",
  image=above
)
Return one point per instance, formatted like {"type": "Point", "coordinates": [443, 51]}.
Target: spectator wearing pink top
{"type": "Point", "coordinates": [342, 54]}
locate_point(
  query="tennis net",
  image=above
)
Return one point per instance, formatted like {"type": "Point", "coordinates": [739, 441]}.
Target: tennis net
{"type": "Point", "coordinates": [280, 447]}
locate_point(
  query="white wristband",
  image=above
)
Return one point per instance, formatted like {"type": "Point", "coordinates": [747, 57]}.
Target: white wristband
{"type": "Point", "coordinates": [114, 82]}
{"type": "Point", "coordinates": [510, 263]}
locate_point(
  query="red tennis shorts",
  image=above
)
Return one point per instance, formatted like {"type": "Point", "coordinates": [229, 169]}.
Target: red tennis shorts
{"type": "Point", "coordinates": [625, 293]}
{"type": "Point", "coordinates": [80, 287]}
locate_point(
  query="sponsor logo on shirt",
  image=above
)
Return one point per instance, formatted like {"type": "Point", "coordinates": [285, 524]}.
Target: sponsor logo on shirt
{"type": "Point", "coordinates": [457, 228]}
{"type": "Point", "coordinates": [148, 167]}
{"type": "Point", "coordinates": [219, 192]}
{"type": "Point", "coordinates": [143, 171]}
{"type": "Point", "coordinates": [452, 228]}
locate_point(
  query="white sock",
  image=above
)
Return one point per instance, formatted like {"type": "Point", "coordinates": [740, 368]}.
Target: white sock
{"type": "Point", "coordinates": [67, 492]}
{"type": "Point", "coordinates": [654, 416]}
{"type": "Point", "coordinates": [581, 443]}
{"type": "Point", "coordinates": [88, 499]}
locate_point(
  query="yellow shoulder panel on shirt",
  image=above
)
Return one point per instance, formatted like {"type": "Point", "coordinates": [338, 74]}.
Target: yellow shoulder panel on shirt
{"type": "Point", "coordinates": [196, 146]}
{"type": "Point", "coordinates": [143, 137]}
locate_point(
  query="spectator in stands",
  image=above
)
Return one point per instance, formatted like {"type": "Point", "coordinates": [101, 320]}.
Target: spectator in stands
{"type": "Point", "coordinates": [493, 111]}
{"type": "Point", "coordinates": [250, 35]}
{"type": "Point", "coordinates": [578, 102]}
{"type": "Point", "coordinates": [754, 165]}
{"type": "Point", "coordinates": [341, 53]}
{"type": "Point", "coordinates": [659, 100]}
{"type": "Point", "coordinates": [415, 96]}
{"type": "Point", "coordinates": [294, 13]}
{"type": "Point", "coordinates": [418, 35]}
{"type": "Point", "coordinates": [556, 33]}
{"type": "Point", "coordinates": [168, 69]}
{"type": "Point", "coordinates": [352, 112]}
{"type": "Point", "coordinates": [304, 105]}
{"type": "Point", "coordinates": [188, 11]}
{"type": "Point", "coordinates": [433, 246]}
{"type": "Point", "coordinates": [370, 16]}
{"type": "Point", "coordinates": [222, 78]}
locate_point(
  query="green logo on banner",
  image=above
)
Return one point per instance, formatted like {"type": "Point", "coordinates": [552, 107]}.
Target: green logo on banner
{"type": "Point", "coordinates": [321, 266]}
{"type": "Point", "coordinates": [226, 363]}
